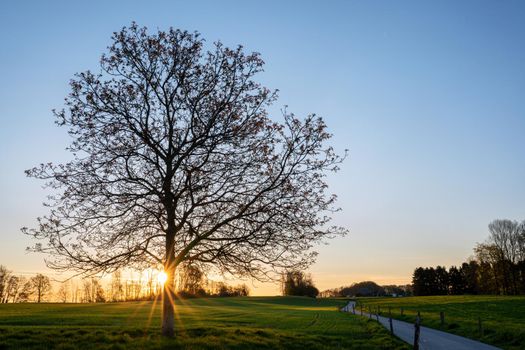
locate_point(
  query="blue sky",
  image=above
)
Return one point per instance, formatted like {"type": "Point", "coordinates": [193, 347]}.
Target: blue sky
{"type": "Point", "coordinates": [427, 96]}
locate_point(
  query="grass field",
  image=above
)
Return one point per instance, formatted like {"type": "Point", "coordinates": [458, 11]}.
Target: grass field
{"type": "Point", "coordinates": [214, 323]}
{"type": "Point", "coordinates": [503, 317]}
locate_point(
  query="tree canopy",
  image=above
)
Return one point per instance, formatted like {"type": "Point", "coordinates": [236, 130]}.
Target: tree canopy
{"type": "Point", "coordinates": [175, 159]}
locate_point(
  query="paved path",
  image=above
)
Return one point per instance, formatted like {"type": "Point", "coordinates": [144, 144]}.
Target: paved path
{"type": "Point", "coordinates": [429, 339]}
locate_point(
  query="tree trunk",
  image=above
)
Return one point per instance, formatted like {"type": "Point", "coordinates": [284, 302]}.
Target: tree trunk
{"type": "Point", "coordinates": [168, 308]}
{"type": "Point", "coordinates": [168, 292]}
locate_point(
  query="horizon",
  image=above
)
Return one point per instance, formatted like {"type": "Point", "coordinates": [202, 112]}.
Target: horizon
{"type": "Point", "coordinates": [428, 98]}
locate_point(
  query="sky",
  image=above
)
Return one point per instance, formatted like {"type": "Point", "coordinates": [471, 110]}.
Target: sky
{"type": "Point", "coordinates": [428, 97]}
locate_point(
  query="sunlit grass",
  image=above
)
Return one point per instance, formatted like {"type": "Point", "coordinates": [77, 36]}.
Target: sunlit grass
{"type": "Point", "coordinates": [208, 323]}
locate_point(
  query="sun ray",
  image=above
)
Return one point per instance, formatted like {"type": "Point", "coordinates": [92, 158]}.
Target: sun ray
{"type": "Point", "coordinates": [180, 323]}
{"type": "Point", "coordinates": [190, 311]}
{"type": "Point", "coordinates": [151, 312]}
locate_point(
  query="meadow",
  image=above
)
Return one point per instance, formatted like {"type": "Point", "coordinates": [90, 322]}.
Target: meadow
{"type": "Point", "coordinates": [502, 317]}
{"type": "Point", "coordinates": [208, 323]}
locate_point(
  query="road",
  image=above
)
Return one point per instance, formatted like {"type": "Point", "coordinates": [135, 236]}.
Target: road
{"type": "Point", "coordinates": [429, 339]}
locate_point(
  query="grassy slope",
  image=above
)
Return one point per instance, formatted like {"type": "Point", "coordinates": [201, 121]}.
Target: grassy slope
{"type": "Point", "coordinates": [503, 317]}
{"type": "Point", "coordinates": [228, 323]}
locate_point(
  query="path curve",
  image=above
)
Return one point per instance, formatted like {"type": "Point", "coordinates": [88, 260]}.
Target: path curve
{"type": "Point", "coordinates": [429, 338]}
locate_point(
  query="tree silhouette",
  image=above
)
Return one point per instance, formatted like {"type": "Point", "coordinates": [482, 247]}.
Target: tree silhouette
{"type": "Point", "coordinates": [298, 283]}
{"type": "Point", "coordinates": [498, 266]}
{"type": "Point", "coordinates": [175, 160]}
{"type": "Point", "coordinates": [40, 286]}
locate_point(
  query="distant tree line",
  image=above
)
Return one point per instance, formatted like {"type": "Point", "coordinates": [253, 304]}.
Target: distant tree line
{"type": "Point", "coordinates": [141, 285]}
{"type": "Point", "coordinates": [497, 267]}
{"type": "Point", "coordinates": [367, 289]}
{"type": "Point", "coordinates": [15, 289]}
{"type": "Point", "coordinates": [192, 281]}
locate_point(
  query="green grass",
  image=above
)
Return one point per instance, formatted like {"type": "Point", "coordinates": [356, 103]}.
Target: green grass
{"type": "Point", "coordinates": [503, 317]}
{"type": "Point", "coordinates": [210, 323]}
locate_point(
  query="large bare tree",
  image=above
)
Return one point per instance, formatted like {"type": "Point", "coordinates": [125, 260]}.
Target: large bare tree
{"type": "Point", "coordinates": [176, 160]}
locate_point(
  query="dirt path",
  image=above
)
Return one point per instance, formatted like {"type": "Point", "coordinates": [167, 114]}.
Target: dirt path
{"type": "Point", "coordinates": [429, 339]}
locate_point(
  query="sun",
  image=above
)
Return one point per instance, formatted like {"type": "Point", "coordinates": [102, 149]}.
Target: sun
{"type": "Point", "coordinates": [162, 277]}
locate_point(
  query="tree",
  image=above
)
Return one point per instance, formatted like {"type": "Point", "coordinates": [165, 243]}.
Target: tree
{"type": "Point", "coordinates": [151, 284]}
{"type": "Point", "coordinates": [87, 291]}
{"type": "Point", "coordinates": [99, 292]}
{"type": "Point", "coordinates": [492, 278]}
{"type": "Point", "coordinates": [507, 236]}
{"type": "Point", "coordinates": [14, 287]}
{"type": "Point", "coordinates": [191, 279]}
{"type": "Point", "coordinates": [298, 283]}
{"type": "Point", "coordinates": [222, 289]}
{"type": "Point", "coordinates": [242, 290]}
{"type": "Point", "coordinates": [117, 289]}
{"type": "Point", "coordinates": [471, 271]}
{"type": "Point", "coordinates": [40, 286]}
{"type": "Point", "coordinates": [5, 275]}
{"type": "Point", "coordinates": [441, 286]}
{"type": "Point", "coordinates": [419, 281]}
{"type": "Point", "coordinates": [64, 291]}
{"type": "Point", "coordinates": [362, 289]}
{"type": "Point", "coordinates": [92, 291]}
{"type": "Point", "coordinates": [176, 160]}
{"type": "Point", "coordinates": [456, 281]}
{"type": "Point", "coordinates": [429, 281]}
{"type": "Point", "coordinates": [26, 292]}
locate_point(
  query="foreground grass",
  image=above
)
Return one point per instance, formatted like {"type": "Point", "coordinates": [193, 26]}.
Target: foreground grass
{"type": "Point", "coordinates": [214, 323]}
{"type": "Point", "coordinates": [503, 317]}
